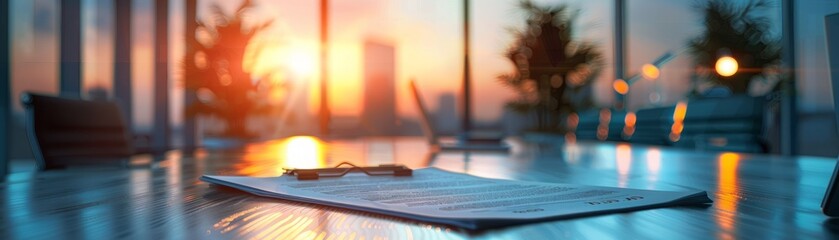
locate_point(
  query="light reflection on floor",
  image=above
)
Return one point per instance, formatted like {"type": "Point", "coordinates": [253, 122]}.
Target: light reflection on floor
{"type": "Point", "coordinates": [302, 152]}
{"type": "Point", "coordinates": [623, 159]}
{"type": "Point", "coordinates": [270, 158]}
{"type": "Point", "coordinates": [307, 221]}
{"type": "Point", "coordinates": [727, 194]}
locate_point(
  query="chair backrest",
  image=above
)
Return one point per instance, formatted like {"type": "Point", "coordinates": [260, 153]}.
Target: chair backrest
{"type": "Point", "coordinates": [724, 124]}
{"type": "Point", "coordinates": [64, 131]}
{"type": "Point", "coordinates": [653, 126]}
{"type": "Point", "coordinates": [591, 122]}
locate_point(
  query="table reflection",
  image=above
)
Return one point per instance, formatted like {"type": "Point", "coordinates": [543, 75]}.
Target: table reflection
{"type": "Point", "coordinates": [272, 157]}
{"type": "Point", "coordinates": [727, 193]}
{"type": "Point", "coordinates": [291, 220]}
{"type": "Point", "coordinates": [755, 196]}
{"type": "Point", "coordinates": [623, 159]}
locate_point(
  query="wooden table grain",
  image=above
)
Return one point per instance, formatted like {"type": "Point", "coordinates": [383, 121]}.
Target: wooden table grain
{"type": "Point", "coordinates": [755, 196]}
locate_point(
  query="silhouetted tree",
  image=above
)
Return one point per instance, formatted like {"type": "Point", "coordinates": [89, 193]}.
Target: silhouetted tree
{"type": "Point", "coordinates": [214, 69]}
{"type": "Point", "coordinates": [735, 29]}
{"type": "Point", "coordinates": [551, 67]}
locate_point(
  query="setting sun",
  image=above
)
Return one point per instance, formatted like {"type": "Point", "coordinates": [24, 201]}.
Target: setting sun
{"type": "Point", "coordinates": [301, 63]}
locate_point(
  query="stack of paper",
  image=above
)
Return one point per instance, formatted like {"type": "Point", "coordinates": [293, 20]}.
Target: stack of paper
{"type": "Point", "coordinates": [462, 200]}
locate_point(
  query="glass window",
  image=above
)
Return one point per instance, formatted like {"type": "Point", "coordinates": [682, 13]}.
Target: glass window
{"type": "Point", "coordinates": [493, 23]}
{"type": "Point", "coordinates": [653, 34]}
{"type": "Point", "coordinates": [34, 54]}
{"type": "Point", "coordinates": [816, 125]}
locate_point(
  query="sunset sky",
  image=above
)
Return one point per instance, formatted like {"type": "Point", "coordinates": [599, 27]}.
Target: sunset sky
{"type": "Point", "coordinates": [426, 34]}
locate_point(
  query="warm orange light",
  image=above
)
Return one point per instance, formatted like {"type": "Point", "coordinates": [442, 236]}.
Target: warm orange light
{"type": "Point", "coordinates": [650, 72]}
{"type": "Point", "coordinates": [302, 63]}
{"type": "Point", "coordinates": [678, 121]}
{"type": "Point", "coordinates": [630, 119]}
{"type": "Point", "coordinates": [628, 132]}
{"type": "Point", "coordinates": [727, 189]}
{"type": "Point", "coordinates": [303, 152]}
{"type": "Point", "coordinates": [681, 110]}
{"type": "Point", "coordinates": [623, 161]}
{"type": "Point", "coordinates": [629, 125]}
{"type": "Point", "coordinates": [621, 86]}
{"type": "Point", "coordinates": [726, 66]}
{"type": "Point", "coordinates": [623, 156]}
{"type": "Point", "coordinates": [677, 128]}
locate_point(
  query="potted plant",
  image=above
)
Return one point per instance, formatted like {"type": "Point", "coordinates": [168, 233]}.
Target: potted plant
{"type": "Point", "coordinates": [741, 33]}
{"type": "Point", "coordinates": [214, 71]}
{"type": "Point", "coordinates": [737, 61]}
{"type": "Point", "coordinates": [553, 71]}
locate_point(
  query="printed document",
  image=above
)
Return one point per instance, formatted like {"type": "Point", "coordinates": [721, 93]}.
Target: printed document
{"type": "Point", "coordinates": [462, 200]}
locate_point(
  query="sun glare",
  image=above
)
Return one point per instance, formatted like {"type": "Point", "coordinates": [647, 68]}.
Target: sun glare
{"type": "Point", "coordinates": [301, 63]}
{"type": "Point", "coordinates": [303, 152]}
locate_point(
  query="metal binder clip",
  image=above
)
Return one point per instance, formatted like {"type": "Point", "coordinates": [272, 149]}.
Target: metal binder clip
{"type": "Point", "coordinates": [338, 171]}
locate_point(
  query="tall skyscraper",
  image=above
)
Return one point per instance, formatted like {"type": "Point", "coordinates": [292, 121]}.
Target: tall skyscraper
{"type": "Point", "coordinates": [379, 113]}
{"type": "Point", "coordinates": [446, 117]}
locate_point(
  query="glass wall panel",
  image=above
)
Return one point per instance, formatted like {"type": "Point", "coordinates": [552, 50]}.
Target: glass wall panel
{"type": "Point", "coordinates": [662, 29]}
{"type": "Point", "coordinates": [490, 23]}
{"type": "Point", "coordinates": [493, 25]}
{"type": "Point", "coordinates": [653, 29]}
{"type": "Point", "coordinates": [177, 24]}
{"type": "Point", "coordinates": [97, 49]}
{"type": "Point", "coordinates": [817, 128]}
{"type": "Point", "coordinates": [142, 66]}
{"type": "Point", "coordinates": [375, 48]}
{"type": "Point", "coordinates": [378, 46]}
{"type": "Point", "coordinates": [34, 54]}
{"type": "Point", "coordinates": [281, 60]}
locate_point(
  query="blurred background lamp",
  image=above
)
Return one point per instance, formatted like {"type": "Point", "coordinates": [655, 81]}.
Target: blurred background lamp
{"type": "Point", "coordinates": [649, 71]}
{"type": "Point", "coordinates": [621, 86]}
{"type": "Point", "coordinates": [726, 66]}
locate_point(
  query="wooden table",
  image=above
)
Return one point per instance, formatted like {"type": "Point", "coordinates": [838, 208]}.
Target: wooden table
{"type": "Point", "coordinates": [756, 196]}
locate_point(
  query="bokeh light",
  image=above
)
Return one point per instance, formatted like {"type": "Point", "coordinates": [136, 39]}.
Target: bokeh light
{"type": "Point", "coordinates": [726, 66]}
{"type": "Point", "coordinates": [650, 72]}
{"type": "Point", "coordinates": [678, 121]}
{"type": "Point", "coordinates": [621, 86]}
{"type": "Point", "coordinates": [629, 125]}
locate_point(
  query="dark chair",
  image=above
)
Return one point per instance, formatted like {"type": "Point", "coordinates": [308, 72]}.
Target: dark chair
{"type": "Point", "coordinates": [64, 131]}
{"type": "Point", "coordinates": [725, 124]}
